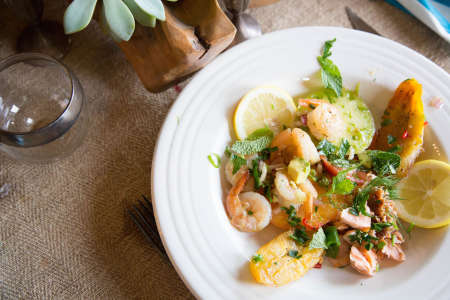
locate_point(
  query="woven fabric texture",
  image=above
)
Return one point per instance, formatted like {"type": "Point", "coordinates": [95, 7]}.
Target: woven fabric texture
{"type": "Point", "coordinates": [64, 230]}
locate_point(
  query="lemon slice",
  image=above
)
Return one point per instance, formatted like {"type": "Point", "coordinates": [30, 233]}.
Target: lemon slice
{"type": "Point", "coordinates": [265, 106]}
{"type": "Point", "coordinates": [426, 194]}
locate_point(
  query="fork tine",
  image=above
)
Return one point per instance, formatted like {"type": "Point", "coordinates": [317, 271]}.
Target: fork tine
{"type": "Point", "coordinates": [149, 216]}
{"type": "Point", "coordinates": [152, 234]}
{"type": "Point", "coordinates": [138, 224]}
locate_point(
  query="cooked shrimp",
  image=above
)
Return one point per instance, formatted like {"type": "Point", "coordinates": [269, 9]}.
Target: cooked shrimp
{"type": "Point", "coordinates": [294, 143]}
{"type": "Point", "coordinates": [287, 191]}
{"type": "Point", "coordinates": [326, 122]}
{"type": "Point", "coordinates": [233, 178]}
{"type": "Point", "coordinates": [311, 195]}
{"type": "Point", "coordinates": [359, 222]}
{"type": "Point", "coordinates": [249, 211]}
{"type": "Point", "coordinates": [364, 261]}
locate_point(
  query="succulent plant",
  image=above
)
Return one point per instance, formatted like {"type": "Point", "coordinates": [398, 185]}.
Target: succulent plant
{"type": "Point", "coordinates": [116, 16]}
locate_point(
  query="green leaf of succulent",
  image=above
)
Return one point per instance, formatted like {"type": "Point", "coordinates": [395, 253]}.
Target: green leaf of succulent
{"type": "Point", "coordinates": [118, 19]}
{"type": "Point", "coordinates": [152, 7]}
{"type": "Point", "coordinates": [78, 15]}
{"type": "Point", "coordinates": [140, 15]}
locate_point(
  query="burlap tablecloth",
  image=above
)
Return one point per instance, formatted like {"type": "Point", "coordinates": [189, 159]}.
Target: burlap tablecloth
{"type": "Point", "coordinates": [64, 231]}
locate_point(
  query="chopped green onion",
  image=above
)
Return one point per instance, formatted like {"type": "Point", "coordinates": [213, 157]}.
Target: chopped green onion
{"type": "Point", "coordinates": [216, 162]}
{"type": "Point", "coordinates": [410, 228]}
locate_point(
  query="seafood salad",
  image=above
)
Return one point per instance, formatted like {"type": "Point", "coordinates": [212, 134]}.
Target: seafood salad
{"type": "Point", "coordinates": [316, 167]}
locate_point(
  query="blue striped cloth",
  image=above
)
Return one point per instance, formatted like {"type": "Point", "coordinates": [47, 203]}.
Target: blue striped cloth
{"type": "Point", "coordinates": [433, 13]}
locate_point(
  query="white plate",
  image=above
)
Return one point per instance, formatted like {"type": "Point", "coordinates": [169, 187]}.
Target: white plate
{"type": "Point", "coordinates": [208, 253]}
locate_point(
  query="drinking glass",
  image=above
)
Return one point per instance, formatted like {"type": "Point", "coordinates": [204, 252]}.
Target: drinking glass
{"type": "Point", "coordinates": [43, 113]}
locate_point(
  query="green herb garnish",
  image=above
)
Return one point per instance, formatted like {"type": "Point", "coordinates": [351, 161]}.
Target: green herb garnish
{"type": "Point", "coordinates": [300, 236]}
{"type": "Point", "coordinates": [293, 219]}
{"type": "Point", "coordinates": [216, 162]}
{"type": "Point", "coordinates": [380, 226]}
{"type": "Point", "coordinates": [294, 254]}
{"type": "Point", "coordinates": [331, 77]}
{"type": "Point", "coordinates": [384, 163]}
{"type": "Point", "coordinates": [410, 228]}
{"type": "Point", "coordinates": [386, 122]}
{"type": "Point", "coordinates": [341, 184]}
{"type": "Point", "coordinates": [238, 162]}
{"type": "Point", "coordinates": [332, 241]}
{"type": "Point", "coordinates": [257, 258]}
{"type": "Point", "coordinates": [318, 240]}
{"type": "Point", "coordinates": [395, 149]}
{"type": "Point", "coordinates": [389, 182]}
{"type": "Point", "coordinates": [249, 212]}
{"type": "Point", "coordinates": [381, 245]}
{"type": "Point", "coordinates": [391, 139]}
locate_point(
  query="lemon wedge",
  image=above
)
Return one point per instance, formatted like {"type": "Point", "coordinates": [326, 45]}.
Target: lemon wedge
{"type": "Point", "coordinates": [426, 195]}
{"type": "Point", "coordinates": [265, 106]}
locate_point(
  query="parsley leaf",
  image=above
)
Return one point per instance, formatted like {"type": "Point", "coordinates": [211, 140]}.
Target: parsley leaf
{"type": "Point", "coordinates": [318, 240]}
{"type": "Point", "coordinates": [361, 236]}
{"type": "Point", "coordinates": [326, 148]}
{"type": "Point", "coordinates": [389, 182]}
{"type": "Point", "coordinates": [293, 220]}
{"type": "Point", "coordinates": [343, 148]}
{"type": "Point", "coordinates": [384, 163]}
{"type": "Point", "coordinates": [257, 258]}
{"type": "Point", "coordinates": [341, 184]}
{"type": "Point", "coordinates": [331, 77]}
{"type": "Point", "coordinates": [294, 254]}
{"type": "Point", "coordinates": [300, 236]}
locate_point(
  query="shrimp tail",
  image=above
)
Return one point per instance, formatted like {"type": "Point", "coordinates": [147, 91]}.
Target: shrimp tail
{"type": "Point", "coordinates": [233, 204]}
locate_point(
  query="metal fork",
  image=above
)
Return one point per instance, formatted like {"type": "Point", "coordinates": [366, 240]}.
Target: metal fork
{"type": "Point", "coordinates": [142, 215]}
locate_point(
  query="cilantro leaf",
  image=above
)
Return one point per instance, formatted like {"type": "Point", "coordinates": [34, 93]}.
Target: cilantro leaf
{"type": "Point", "coordinates": [318, 240]}
{"type": "Point", "coordinates": [294, 254]}
{"type": "Point", "coordinates": [300, 236]}
{"type": "Point", "coordinates": [331, 77]}
{"type": "Point", "coordinates": [384, 163]}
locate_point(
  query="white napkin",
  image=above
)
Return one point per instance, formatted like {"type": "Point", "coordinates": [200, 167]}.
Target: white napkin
{"type": "Point", "coordinates": [433, 13]}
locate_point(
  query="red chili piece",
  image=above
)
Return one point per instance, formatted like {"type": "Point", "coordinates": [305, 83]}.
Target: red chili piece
{"type": "Point", "coordinates": [318, 266]}
{"type": "Point", "coordinates": [425, 123]}
{"type": "Point", "coordinates": [405, 134]}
